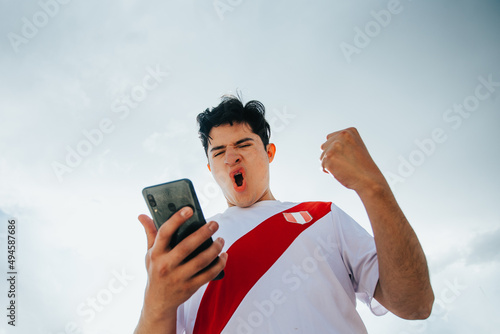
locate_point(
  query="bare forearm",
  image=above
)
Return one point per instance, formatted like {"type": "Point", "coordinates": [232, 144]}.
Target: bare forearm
{"type": "Point", "coordinates": [148, 325]}
{"type": "Point", "coordinates": [404, 285]}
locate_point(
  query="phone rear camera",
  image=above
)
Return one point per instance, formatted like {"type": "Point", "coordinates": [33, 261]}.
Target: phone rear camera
{"type": "Point", "coordinates": [172, 207]}
{"type": "Point", "coordinates": [151, 200]}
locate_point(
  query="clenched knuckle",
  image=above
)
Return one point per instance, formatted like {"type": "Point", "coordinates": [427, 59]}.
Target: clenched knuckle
{"type": "Point", "coordinates": [346, 134]}
{"type": "Point", "coordinates": [337, 146]}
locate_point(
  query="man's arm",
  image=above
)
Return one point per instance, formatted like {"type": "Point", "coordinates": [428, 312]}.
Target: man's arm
{"type": "Point", "coordinates": [404, 286]}
{"type": "Point", "coordinates": [171, 281]}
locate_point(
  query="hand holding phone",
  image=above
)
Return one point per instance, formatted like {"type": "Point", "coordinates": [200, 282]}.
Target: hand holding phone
{"type": "Point", "coordinates": [166, 199]}
{"type": "Point", "coordinates": [171, 280]}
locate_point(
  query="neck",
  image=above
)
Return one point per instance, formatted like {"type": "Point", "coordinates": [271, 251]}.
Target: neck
{"type": "Point", "coordinates": [266, 196]}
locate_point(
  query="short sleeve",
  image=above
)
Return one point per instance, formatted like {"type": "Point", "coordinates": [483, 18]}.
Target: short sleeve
{"type": "Point", "coordinates": [358, 251]}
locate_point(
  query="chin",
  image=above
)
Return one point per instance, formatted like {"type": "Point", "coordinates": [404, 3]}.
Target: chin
{"type": "Point", "coordinates": [242, 203]}
{"type": "Point", "coordinates": [246, 205]}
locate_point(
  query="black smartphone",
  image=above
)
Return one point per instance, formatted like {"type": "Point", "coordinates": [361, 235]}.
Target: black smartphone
{"type": "Point", "coordinates": [165, 199]}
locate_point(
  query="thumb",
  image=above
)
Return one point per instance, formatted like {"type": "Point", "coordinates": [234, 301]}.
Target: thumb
{"type": "Point", "coordinates": [150, 228]}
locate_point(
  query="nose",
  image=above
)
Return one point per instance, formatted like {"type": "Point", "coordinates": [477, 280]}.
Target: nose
{"type": "Point", "coordinates": [231, 157]}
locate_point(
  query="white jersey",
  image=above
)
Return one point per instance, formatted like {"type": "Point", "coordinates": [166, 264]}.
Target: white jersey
{"type": "Point", "coordinates": [292, 268]}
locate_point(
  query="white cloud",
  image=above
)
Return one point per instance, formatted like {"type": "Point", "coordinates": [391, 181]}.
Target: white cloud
{"type": "Point", "coordinates": [485, 248]}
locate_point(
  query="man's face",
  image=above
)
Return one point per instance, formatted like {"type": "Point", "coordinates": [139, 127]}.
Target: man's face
{"type": "Point", "coordinates": [240, 164]}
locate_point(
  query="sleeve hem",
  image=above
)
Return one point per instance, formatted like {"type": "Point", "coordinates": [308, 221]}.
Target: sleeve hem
{"type": "Point", "coordinates": [377, 308]}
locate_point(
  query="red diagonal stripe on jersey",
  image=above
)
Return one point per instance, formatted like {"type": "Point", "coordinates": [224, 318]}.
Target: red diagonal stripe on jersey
{"type": "Point", "coordinates": [249, 258]}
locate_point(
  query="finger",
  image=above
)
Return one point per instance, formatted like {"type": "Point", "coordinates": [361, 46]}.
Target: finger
{"type": "Point", "coordinates": [204, 258]}
{"type": "Point", "coordinates": [354, 131]}
{"type": "Point", "coordinates": [322, 155]}
{"type": "Point", "coordinates": [325, 144]}
{"type": "Point", "coordinates": [330, 135]}
{"type": "Point", "coordinates": [193, 241]}
{"type": "Point", "coordinates": [323, 166]}
{"type": "Point", "coordinates": [324, 148]}
{"type": "Point", "coordinates": [211, 272]}
{"type": "Point", "coordinates": [329, 139]}
{"type": "Point", "coordinates": [150, 229]}
{"type": "Point", "coordinates": [329, 150]}
{"type": "Point", "coordinates": [166, 230]}
{"type": "Point", "coordinates": [326, 164]}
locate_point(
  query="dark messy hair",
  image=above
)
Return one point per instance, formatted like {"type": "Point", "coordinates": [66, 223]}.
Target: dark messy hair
{"type": "Point", "coordinates": [231, 110]}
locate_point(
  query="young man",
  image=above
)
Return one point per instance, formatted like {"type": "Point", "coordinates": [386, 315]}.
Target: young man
{"type": "Point", "coordinates": [289, 267]}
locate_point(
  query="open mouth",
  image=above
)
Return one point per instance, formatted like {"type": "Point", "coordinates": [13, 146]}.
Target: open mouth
{"type": "Point", "coordinates": [238, 177]}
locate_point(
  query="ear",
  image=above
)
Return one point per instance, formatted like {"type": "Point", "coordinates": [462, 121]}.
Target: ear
{"type": "Point", "coordinates": [208, 165]}
{"type": "Point", "coordinates": [271, 151]}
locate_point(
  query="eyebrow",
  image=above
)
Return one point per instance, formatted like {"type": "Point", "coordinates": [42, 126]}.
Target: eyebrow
{"type": "Point", "coordinates": [241, 141]}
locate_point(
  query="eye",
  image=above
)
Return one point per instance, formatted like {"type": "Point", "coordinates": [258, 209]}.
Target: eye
{"type": "Point", "coordinates": [241, 146]}
{"type": "Point", "coordinates": [217, 154]}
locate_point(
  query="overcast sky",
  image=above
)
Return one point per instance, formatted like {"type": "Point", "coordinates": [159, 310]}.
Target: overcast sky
{"type": "Point", "coordinates": [98, 100]}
